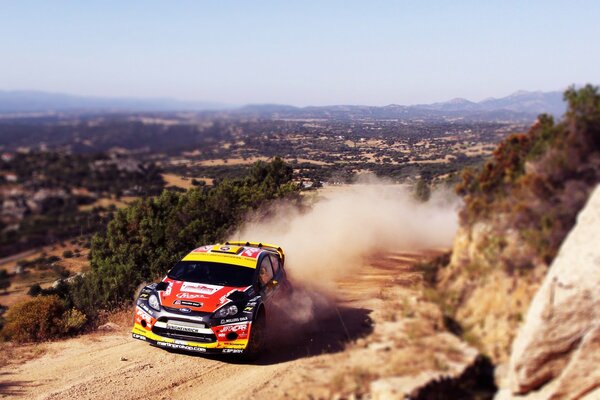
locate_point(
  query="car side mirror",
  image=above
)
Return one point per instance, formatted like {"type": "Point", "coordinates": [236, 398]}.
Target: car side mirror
{"type": "Point", "coordinates": [161, 286]}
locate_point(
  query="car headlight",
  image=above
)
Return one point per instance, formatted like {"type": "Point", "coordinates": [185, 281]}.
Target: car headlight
{"type": "Point", "coordinates": [153, 302]}
{"type": "Point", "coordinates": [225, 311]}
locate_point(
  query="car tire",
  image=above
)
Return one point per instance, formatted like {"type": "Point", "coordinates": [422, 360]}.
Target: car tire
{"type": "Point", "coordinates": [256, 343]}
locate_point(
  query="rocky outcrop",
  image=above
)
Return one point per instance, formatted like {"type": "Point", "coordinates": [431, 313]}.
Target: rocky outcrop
{"type": "Point", "coordinates": [557, 350]}
{"type": "Point", "coordinates": [490, 302]}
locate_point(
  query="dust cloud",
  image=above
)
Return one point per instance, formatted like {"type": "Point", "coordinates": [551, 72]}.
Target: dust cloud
{"type": "Point", "coordinates": [347, 223]}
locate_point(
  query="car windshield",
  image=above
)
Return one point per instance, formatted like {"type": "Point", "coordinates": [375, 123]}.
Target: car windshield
{"type": "Point", "coordinates": [212, 273]}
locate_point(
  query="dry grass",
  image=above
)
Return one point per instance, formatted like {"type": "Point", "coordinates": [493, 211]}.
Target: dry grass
{"type": "Point", "coordinates": [354, 380]}
{"type": "Point", "coordinates": [182, 181]}
{"type": "Point", "coordinates": [20, 283]}
{"type": "Point", "coordinates": [230, 161]}
{"type": "Point", "coordinates": [106, 202]}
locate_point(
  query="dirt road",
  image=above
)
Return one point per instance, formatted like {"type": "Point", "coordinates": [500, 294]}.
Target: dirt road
{"type": "Point", "coordinates": [315, 361]}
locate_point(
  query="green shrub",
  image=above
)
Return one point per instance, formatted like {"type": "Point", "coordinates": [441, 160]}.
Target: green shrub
{"type": "Point", "coordinates": [73, 321]}
{"type": "Point", "coordinates": [145, 239]}
{"type": "Point", "coordinates": [422, 191]}
{"type": "Point", "coordinates": [67, 254]}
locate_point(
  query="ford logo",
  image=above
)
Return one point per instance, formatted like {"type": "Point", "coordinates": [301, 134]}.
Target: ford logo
{"type": "Point", "coordinates": [185, 310]}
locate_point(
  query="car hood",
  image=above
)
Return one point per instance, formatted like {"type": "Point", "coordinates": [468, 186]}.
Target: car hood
{"type": "Point", "coordinates": [196, 296]}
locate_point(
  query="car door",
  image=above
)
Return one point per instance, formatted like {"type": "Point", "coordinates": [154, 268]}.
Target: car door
{"type": "Point", "coordinates": [265, 278]}
{"type": "Point", "coordinates": [279, 274]}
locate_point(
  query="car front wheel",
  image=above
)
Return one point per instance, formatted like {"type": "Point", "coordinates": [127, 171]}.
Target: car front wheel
{"type": "Point", "coordinates": [256, 342]}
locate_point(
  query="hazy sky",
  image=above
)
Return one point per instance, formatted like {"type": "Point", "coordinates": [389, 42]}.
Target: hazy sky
{"type": "Point", "coordinates": [299, 52]}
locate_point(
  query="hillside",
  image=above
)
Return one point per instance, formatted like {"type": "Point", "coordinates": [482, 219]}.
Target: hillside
{"type": "Point", "coordinates": [518, 209]}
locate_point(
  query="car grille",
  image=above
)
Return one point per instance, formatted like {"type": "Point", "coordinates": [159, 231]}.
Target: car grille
{"type": "Point", "coordinates": [192, 313]}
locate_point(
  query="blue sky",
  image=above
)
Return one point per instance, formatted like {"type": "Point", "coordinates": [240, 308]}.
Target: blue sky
{"type": "Point", "coordinates": [301, 52]}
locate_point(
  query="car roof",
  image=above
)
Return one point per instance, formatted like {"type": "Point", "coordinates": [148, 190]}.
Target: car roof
{"type": "Point", "coordinates": [244, 254]}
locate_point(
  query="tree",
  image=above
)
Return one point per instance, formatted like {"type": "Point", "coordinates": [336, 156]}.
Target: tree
{"type": "Point", "coordinates": [145, 239]}
{"type": "Point", "coordinates": [422, 191]}
{"type": "Point", "coordinates": [4, 280]}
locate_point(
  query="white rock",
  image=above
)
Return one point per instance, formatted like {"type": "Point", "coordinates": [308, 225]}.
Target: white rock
{"type": "Point", "coordinates": [560, 339]}
{"type": "Point", "coordinates": [109, 326]}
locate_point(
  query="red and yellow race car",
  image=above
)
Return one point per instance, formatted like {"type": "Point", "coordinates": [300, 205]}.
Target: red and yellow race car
{"type": "Point", "coordinates": [215, 300]}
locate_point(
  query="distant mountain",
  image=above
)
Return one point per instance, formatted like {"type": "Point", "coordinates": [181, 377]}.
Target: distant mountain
{"type": "Point", "coordinates": [518, 107]}
{"type": "Point", "coordinates": [531, 102]}
{"type": "Point", "coordinates": [39, 102]}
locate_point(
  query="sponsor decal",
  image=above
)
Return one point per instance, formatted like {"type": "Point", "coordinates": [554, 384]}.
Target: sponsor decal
{"type": "Point", "coordinates": [228, 321]}
{"type": "Point", "coordinates": [183, 328]}
{"type": "Point", "coordinates": [187, 303]}
{"type": "Point", "coordinates": [251, 253]}
{"type": "Point", "coordinates": [144, 315]}
{"type": "Point", "coordinates": [140, 337]}
{"type": "Point", "coordinates": [181, 346]}
{"type": "Point", "coordinates": [232, 344]}
{"type": "Point", "coordinates": [144, 295]}
{"type": "Point", "coordinates": [232, 351]}
{"type": "Point", "coordinates": [146, 308]}
{"type": "Point", "coordinates": [248, 310]}
{"type": "Point", "coordinates": [225, 248]}
{"type": "Point", "coordinates": [202, 249]}
{"type": "Point", "coordinates": [185, 310]}
{"type": "Point", "coordinates": [235, 328]}
{"type": "Point", "coordinates": [199, 288]}
{"type": "Point", "coordinates": [190, 296]}
{"type": "Point", "coordinates": [224, 298]}
{"type": "Point", "coordinates": [169, 288]}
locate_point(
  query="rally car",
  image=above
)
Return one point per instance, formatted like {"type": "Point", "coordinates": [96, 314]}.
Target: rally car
{"type": "Point", "coordinates": [215, 300]}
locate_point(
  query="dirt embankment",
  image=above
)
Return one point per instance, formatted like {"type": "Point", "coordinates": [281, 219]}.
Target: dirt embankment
{"type": "Point", "coordinates": [379, 327]}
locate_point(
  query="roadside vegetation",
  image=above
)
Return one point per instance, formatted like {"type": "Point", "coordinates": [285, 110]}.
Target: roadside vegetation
{"type": "Point", "coordinates": [49, 196]}
{"type": "Point", "coordinates": [539, 181]}
{"type": "Point", "coordinates": [141, 243]}
{"type": "Point", "coordinates": [518, 208]}
{"type": "Point", "coordinates": [535, 183]}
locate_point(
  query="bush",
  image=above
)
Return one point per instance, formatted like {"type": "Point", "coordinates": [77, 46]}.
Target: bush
{"type": "Point", "coordinates": [34, 290]}
{"type": "Point", "coordinates": [4, 280]}
{"type": "Point", "coordinates": [41, 318]}
{"type": "Point", "coordinates": [67, 254]}
{"type": "Point", "coordinates": [537, 182]}
{"type": "Point", "coordinates": [430, 268]}
{"type": "Point", "coordinates": [422, 191]}
{"type": "Point", "coordinates": [52, 259]}
{"type": "Point", "coordinates": [61, 271]}
{"type": "Point", "coordinates": [73, 321]}
{"type": "Point", "coordinates": [34, 320]}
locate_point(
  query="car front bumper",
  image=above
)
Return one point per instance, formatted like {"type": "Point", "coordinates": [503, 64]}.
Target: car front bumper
{"type": "Point", "coordinates": [229, 337]}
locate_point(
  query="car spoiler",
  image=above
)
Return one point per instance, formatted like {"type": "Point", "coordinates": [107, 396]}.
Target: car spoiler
{"type": "Point", "coordinates": [267, 246]}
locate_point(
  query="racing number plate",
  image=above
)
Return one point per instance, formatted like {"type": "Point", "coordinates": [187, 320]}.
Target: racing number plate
{"type": "Point", "coordinates": [184, 328]}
